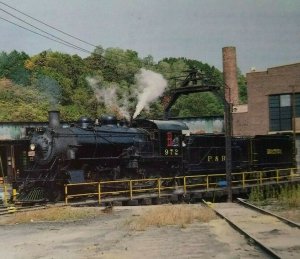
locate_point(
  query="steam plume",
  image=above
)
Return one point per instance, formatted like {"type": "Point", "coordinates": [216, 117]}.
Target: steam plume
{"type": "Point", "coordinates": [50, 89]}
{"type": "Point", "coordinates": [108, 96]}
{"type": "Point", "coordinates": [150, 86]}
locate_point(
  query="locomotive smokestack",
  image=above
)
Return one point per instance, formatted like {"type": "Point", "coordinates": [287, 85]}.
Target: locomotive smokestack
{"type": "Point", "coordinates": [230, 75]}
{"type": "Point", "coordinates": [54, 121]}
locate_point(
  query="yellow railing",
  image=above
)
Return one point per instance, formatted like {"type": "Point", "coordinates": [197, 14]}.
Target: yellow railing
{"type": "Point", "coordinates": [179, 184]}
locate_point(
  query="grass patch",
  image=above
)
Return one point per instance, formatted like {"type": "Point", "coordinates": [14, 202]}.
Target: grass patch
{"type": "Point", "coordinates": [180, 215]}
{"type": "Point", "coordinates": [290, 197]}
{"type": "Point", "coordinates": [55, 214]}
{"type": "Point", "coordinates": [287, 196]}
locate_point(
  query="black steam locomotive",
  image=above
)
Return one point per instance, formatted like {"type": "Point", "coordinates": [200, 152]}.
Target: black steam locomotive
{"type": "Point", "coordinates": [110, 150]}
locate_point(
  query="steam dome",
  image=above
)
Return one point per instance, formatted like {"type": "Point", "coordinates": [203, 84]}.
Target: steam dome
{"type": "Point", "coordinates": [84, 122]}
{"type": "Point", "coordinates": [108, 120]}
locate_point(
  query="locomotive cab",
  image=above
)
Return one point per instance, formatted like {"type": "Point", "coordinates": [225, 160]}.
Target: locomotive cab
{"type": "Point", "coordinates": [166, 136]}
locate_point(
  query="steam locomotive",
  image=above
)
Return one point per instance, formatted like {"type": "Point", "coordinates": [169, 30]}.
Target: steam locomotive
{"type": "Point", "coordinates": [86, 151]}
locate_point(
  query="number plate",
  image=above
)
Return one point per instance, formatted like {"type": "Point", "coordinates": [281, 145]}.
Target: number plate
{"type": "Point", "coordinates": [31, 153]}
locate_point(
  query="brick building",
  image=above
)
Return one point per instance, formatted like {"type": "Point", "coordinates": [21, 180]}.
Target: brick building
{"type": "Point", "coordinates": [273, 104]}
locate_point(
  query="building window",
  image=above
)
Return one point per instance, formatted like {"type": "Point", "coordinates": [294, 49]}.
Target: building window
{"type": "Point", "coordinates": [297, 105]}
{"type": "Point", "coordinates": [281, 111]}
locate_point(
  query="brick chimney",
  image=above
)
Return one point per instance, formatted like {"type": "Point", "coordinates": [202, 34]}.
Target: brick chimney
{"type": "Point", "coordinates": [230, 75]}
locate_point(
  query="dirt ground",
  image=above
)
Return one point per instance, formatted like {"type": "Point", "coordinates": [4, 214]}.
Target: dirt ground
{"type": "Point", "coordinates": [108, 236]}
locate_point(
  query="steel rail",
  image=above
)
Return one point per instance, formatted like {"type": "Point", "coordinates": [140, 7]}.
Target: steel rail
{"type": "Point", "coordinates": [266, 249]}
{"type": "Point", "coordinates": [16, 209]}
{"type": "Point", "coordinates": [285, 220]}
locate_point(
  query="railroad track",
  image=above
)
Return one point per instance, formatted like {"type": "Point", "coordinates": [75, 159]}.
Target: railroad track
{"type": "Point", "coordinates": [7, 210]}
{"type": "Point", "coordinates": [287, 221]}
{"type": "Point", "coordinates": [277, 236]}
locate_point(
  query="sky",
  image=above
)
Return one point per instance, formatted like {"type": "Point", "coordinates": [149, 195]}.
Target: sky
{"type": "Point", "coordinates": [266, 33]}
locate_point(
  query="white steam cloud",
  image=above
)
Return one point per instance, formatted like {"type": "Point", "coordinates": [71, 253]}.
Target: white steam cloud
{"type": "Point", "coordinates": [108, 96]}
{"type": "Point", "coordinates": [50, 89]}
{"type": "Point", "coordinates": [150, 86]}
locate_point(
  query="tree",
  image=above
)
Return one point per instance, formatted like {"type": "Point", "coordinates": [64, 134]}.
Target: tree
{"type": "Point", "coordinates": [242, 87]}
{"type": "Point", "coordinates": [96, 61]}
{"type": "Point", "coordinates": [59, 80]}
{"type": "Point", "coordinates": [198, 104]}
{"type": "Point", "coordinates": [62, 73]}
{"type": "Point", "coordinates": [121, 65]}
{"type": "Point", "coordinates": [12, 67]}
{"type": "Point", "coordinates": [28, 104]}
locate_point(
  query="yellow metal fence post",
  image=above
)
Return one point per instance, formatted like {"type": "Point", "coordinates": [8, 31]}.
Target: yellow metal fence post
{"type": "Point", "coordinates": [14, 194]}
{"type": "Point", "coordinates": [260, 177]}
{"type": "Point", "coordinates": [277, 175]}
{"type": "Point", "coordinates": [66, 194]}
{"type": "Point", "coordinates": [99, 193]}
{"type": "Point", "coordinates": [207, 182]}
{"type": "Point", "coordinates": [243, 181]}
{"type": "Point", "coordinates": [5, 195]}
{"type": "Point", "coordinates": [184, 185]}
{"type": "Point", "coordinates": [130, 186]}
{"type": "Point", "coordinates": [158, 186]}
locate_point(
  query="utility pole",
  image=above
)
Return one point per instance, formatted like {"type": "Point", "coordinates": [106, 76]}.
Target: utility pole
{"type": "Point", "coordinates": [294, 123]}
{"type": "Point", "coordinates": [228, 154]}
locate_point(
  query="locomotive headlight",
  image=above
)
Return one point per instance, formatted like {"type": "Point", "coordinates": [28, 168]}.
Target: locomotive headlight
{"type": "Point", "coordinates": [32, 147]}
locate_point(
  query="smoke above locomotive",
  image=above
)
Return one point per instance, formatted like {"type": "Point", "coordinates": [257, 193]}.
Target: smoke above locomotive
{"type": "Point", "coordinates": [148, 87]}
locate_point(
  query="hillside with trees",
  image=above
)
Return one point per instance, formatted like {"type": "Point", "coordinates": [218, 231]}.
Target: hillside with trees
{"type": "Point", "coordinates": [32, 85]}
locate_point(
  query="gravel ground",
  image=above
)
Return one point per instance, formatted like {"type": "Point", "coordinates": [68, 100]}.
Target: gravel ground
{"type": "Point", "coordinates": [108, 236]}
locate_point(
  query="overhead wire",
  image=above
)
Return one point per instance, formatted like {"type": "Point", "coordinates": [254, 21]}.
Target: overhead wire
{"type": "Point", "coordinates": [48, 25]}
{"type": "Point", "coordinates": [58, 38]}
{"type": "Point", "coordinates": [68, 45]}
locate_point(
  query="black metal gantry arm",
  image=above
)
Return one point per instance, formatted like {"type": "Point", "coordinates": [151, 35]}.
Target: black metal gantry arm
{"type": "Point", "coordinates": [193, 82]}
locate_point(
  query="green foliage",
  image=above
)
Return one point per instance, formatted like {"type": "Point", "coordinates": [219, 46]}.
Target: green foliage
{"type": "Point", "coordinates": [95, 63]}
{"type": "Point", "coordinates": [198, 104]}
{"type": "Point", "coordinates": [172, 67]}
{"type": "Point", "coordinates": [52, 80]}
{"type": "Point", "coordinates": [257, 195]}
{"type": "Point", "coordinates": [287, 196]}
{"type": "Point", "coordinates": [27, 104]}
{"type": "Point", "coordinates": [242, 87]}
{"type": "Point", "coordinates": [59, 72]}
{"type": "Point", "coordinates": [69, 112]}
{"type": "Point", "coordinates": [12, 67]}
{"type": "Point", "coordinates": [120, 65]}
